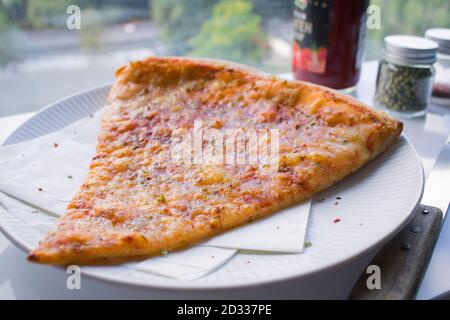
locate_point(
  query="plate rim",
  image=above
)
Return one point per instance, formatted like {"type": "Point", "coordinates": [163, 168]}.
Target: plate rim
{"type": "Point", "coordinates": [185, 286]}
{"type": "Point", "coordinates": [38, 113]}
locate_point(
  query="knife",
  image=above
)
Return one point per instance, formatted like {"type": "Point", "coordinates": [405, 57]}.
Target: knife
{"type": "Point", "coordinates": [436, 281]}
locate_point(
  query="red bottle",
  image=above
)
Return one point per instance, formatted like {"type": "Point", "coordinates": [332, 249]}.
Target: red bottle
{"type": "Point", "coordinates": [329, 41]}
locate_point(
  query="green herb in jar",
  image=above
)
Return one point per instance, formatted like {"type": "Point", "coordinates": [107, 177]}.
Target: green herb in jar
{"type": "Point", "coordinates": [405, 75]}
{"type": "Point", "coordinates": [403, 88]}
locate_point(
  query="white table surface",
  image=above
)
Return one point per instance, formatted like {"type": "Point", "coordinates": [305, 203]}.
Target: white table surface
{"type": "Point", "coordinates": [20, 279]}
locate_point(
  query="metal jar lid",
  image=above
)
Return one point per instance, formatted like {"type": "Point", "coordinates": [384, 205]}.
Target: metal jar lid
{"type": "Point", "coordinates": [409, 50]}
{"type": "Point", "coordinates": [442, 37]}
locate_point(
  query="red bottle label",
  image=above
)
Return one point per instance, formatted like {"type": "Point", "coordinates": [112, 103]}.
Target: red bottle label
{"type": "Point", "coordinates": [312, 20]}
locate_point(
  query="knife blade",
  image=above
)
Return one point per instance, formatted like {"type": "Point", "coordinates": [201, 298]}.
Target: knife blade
{"type": "Point", "coordinates": [437, 186]}
{"type": "Point", "coordinates": [436, 281]}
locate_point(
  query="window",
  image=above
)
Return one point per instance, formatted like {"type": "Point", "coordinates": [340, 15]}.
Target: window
{"type": "Point", "coordinates": [42, 60]}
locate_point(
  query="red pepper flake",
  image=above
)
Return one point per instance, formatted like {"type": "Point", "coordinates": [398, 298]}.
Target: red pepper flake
{"type": "Point", "coordinates": [56, 145]}
{"type": "Point", "coordinates": [39, 189]}
{"type": "Point", "coordinates": [337, 220]}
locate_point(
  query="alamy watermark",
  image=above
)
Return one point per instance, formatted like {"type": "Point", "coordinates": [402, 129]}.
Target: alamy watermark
{"type": "Point", "coordinates": [73, 21]}
{"type": "Point", "coordinates": [241, 146]}
{"type": "Point", "coordinates": [259, 147]}
{"type": "Point", "coordinates": [373, 282]}
{"type": "Point", "coordinates": [73, 281]}
{"type": "Point", "coordinates": [373, 17]}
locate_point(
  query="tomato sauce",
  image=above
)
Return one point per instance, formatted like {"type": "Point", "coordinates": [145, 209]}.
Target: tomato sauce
{"type": "Point", "coordinates": [329, 41]}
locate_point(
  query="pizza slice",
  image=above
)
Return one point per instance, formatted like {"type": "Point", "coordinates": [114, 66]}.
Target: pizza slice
{"type": "Point", "coordinates": [141, 198]}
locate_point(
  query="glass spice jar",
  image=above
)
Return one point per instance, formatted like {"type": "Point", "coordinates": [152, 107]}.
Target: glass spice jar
{"type": "Point", "coordinates": [441, 86]}
{"type": "Point", "coordinates": [405, 75]}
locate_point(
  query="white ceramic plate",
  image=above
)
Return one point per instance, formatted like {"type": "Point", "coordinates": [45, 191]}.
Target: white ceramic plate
{"type": "Point", "coordinates": [376, 202]}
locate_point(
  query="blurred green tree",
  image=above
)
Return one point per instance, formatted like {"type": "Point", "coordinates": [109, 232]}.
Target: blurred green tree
{"type": "Point", "coordinates": [15, 10]}
{"type": "Point", "coordinates": [232, 32]}
{"type": "Point", "coordinates": [91, 30]}
{"type": "Point", "coordinates": [410, 16]}
{"type": "Point", "coordinates": [6, 48]}
{"type": "Point", "coordinates": [179, 20]}
{"type": "Point", "coordinates": [47, 13]}
{"type": "Point", "coordinates": [3, 17]}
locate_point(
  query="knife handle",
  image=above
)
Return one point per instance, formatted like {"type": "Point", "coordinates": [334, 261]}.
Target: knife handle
{"type": "Point", "coordinates": [403, 259]}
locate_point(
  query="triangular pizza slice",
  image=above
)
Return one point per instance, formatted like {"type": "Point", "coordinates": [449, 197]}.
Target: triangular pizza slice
{"type": "Point", "coordinates": [191, 148]}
